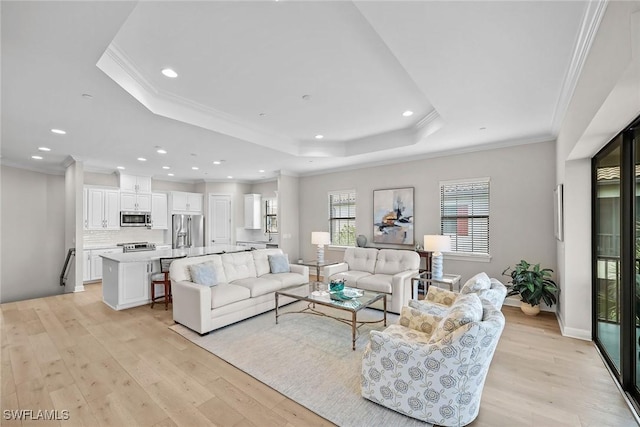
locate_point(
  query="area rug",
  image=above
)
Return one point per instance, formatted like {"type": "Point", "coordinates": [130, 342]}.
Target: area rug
{"type": "Point", "coordinates": [306, 358]}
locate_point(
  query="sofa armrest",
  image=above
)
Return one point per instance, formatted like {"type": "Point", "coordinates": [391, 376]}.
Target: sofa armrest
{"type": "Point", "coordinates": [300, 269]}
{"type": "Point", "coordinates": [192, 305]}
{"type": "Point", "coordinates": [330, 270]}
{"type": "Point", "coordinates": [401, 285]}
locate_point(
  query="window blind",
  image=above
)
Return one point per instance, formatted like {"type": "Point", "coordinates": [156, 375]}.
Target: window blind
{"type": "Point", "coordinates": [464, 215]}
{"type": "Point", "coordinates": [342, 218]}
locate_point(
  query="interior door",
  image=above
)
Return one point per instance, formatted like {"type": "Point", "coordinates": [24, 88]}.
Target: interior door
{"type": "Point", "coordinates": [220, 219]}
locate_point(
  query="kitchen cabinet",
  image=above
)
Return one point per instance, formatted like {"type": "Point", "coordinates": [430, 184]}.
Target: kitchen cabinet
{"type": "Point", "coordinates": [103, 209]}
{"type": "Point", "coordinates": [159, 211]}
{"type": "Point", "coordinates": [92, 263]}
{"type": "Point", "coordinates": [85, 214]}
{"type": "Point", "coordinates": [182, 202]}
{"type": "Point", "coordinates": [135, 202]}
{"type": "Point", "coordinates": [135, 184]}
{"type": "Point", "coordinates": [86, 265]}
{"type": "Point", "coordinates": [252, 213]}
{"type": "Point", "coordinates": [127, 284]}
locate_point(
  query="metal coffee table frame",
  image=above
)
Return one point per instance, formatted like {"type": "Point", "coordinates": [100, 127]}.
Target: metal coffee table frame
{"type": "Point", "coordinates": [365, 301]}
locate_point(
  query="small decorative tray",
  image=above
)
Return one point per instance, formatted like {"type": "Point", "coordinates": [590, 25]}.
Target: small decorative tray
{"type": "Point", "coordinates": [346, 294]}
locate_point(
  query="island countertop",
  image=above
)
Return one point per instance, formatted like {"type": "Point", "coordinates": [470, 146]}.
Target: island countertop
{"type": "Point", "coordinates": [144, 256]}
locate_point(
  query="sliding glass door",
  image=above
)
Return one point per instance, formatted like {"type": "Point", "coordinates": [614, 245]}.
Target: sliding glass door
{"type": "Point", "coordinates": [607, 251]}
{"type": "Point", "coordinates": [616, 257]}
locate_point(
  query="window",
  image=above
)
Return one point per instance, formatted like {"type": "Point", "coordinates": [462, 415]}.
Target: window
{"type": "Point", "coordinates": [342, 217]}
{"type": "Point", "coordinates": [271, 215]}
{"type": "Point", "coordinates": [464, 215]}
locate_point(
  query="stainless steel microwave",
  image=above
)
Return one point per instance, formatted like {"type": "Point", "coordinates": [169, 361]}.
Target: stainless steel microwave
{"type": "Point", "coordinates": [135, 219]}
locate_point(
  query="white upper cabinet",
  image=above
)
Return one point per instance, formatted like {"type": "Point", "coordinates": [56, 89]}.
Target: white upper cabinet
{"type": "Point", "coordinates": [135, 184]}
{"type": "Point", "coordinates": [159, 211]}
{"type": "Point", "coordinates": [135, 202]}
{"type": "Point", "coordinates": [252, 212]}
{"type": "Point", "coordinates": [103, 209]}
{"type": "Point", "coordinates": [182, 202]}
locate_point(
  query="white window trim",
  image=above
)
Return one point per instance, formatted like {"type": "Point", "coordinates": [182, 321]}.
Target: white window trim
{"type": "Point", "coordinates": [333, 247]}
{"type": "Point", "coordinates": [467, 256]}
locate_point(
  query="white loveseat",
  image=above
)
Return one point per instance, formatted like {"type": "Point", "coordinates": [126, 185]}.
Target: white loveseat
{"type": "Point", "coordinates": [387, 271]}
{"type": "Point", "coordinates": [245, 287]}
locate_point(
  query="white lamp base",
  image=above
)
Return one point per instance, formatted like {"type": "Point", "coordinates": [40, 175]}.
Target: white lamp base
{"type": "Point", "coordinates": [436, 265]}
{"type": "Point", "coordinates": [320, 254]}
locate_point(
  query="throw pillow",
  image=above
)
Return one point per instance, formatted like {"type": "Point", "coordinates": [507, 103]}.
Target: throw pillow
{"type": "Point", "coordinates": [479, 282]}
{"type": "Point", "coordinates": [203, 274]}
{"type": "Point", "coordinates": [279, 263]}
{"type": "Point", "coordinates": [440, 296]}
{"type": "Point", "coordinates": [432, 308]}
{"type": "Point", "coordinates": [466, 309]}
{"type": "Point", "coordinates": [418, 320]}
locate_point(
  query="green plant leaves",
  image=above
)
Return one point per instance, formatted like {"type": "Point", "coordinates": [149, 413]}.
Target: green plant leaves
{"type": "Point", "coordinates": [532, 283]}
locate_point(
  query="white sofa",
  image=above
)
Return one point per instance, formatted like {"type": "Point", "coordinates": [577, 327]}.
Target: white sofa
{"type": "Point", "coordinates": [245, 288]}
{"type": "Point", "coordinates": [387, 271]}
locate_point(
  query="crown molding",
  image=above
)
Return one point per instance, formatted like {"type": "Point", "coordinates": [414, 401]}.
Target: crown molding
{"type": "Point", "coordinates": [588, 29]}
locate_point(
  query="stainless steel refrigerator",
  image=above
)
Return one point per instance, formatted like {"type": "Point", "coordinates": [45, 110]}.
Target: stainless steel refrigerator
{"type": "Point", "coordinates": [187, 231]}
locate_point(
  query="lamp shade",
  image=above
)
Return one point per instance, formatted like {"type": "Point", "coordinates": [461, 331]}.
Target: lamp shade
{"type": "Point", "coordinates": [437, 243]}
{"type": "Point", "coordinates": [320, 238]}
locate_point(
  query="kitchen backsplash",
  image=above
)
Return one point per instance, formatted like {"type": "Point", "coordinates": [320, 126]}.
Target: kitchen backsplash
{"type": "Point", "coordinates": [131, 234]}
{"type": "Point", "coordinates": [246, 235]}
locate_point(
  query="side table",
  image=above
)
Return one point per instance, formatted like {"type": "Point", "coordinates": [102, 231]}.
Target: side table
{"type": "Point", "coordinates": [317, 265]}
{"type": "Point", "coordinates": [450, 280]}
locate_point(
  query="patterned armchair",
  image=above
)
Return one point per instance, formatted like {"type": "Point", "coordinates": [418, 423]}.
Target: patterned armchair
{"type": "Point", "coordinates": [433, 368]}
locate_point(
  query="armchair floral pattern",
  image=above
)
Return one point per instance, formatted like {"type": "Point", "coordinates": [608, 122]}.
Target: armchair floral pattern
{"type": "Point", "coordinates": [430, 371]}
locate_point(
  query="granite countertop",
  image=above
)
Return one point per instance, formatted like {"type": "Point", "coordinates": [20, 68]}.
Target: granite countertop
{"type": "Point", "coordinates": [100, 246]}
{"type": "Point", "coordinates": [145, 256]}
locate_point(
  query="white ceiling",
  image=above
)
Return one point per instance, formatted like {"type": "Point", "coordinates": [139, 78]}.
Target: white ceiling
{"type": "Point", "coordinates": [475, 74]}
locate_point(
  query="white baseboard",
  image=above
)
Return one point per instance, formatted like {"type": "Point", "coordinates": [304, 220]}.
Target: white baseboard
{"type": "Point", "coordinates": [79, 288]}
{"type": "Point", "coordinates": [581, 334]}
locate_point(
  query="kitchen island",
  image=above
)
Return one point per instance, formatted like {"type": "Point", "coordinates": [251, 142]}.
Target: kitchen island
{"type": "Point", "coordinates": [126, 277]}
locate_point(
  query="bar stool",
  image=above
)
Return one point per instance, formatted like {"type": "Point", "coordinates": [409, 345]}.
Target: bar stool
{"type": "Point", "coordinates": [162, 278]}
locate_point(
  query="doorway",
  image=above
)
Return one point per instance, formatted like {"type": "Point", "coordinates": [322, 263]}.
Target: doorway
{"type": "Point", "coordinates": [219, 218]}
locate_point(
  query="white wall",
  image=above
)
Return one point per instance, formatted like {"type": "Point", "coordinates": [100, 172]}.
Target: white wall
{"type": "Point", "coordinates": [290, 211]}
{"type": "Point", "coordinates": [33, 234]}
{"type": "Point", "coordinates": [593, 118]}
{"type": "Point", "coordinates": [522, 181]}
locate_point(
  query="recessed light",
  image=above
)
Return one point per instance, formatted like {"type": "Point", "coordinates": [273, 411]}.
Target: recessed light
{"type": "Point", "coordinates": [44, 149]}
{"type": "Point", "coordinates": [261, 171]}
{"type": "Point", "coordinates": [169, 174]}
{"type": "Point", "coordinates": [216, 162]}
{"type": "Point", "coordinates": [483, 128]}
{"type": "Point", "coordinates": [319, 136]}
{"type": "Point", "coordinates": [120, 167]}
{"type": "Point", "coordinates": [36, 157]}
{"type": "Point", "coordinates": [229, 176]}
{"type": "Point", "coordinates": [59, 131]}
{"type": "Point", "coordinates": [142, 159]}
{"type": "Point", "coordinates": [407, 113]}
{"type": "Point", "coordinates": [195, 168]}
{"type": "Point", "coordinates": [166, 167]}
{"type": "Point", "coordinates": [168, 72]}
{"type": "Point", "coordinates": [262, 114]}
{"type": "Point", "coordinates": [87, 95]}
{"type": "Point", "coordinates": [161, 151]}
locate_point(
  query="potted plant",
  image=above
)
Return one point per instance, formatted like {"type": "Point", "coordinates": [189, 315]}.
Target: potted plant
{"type": "Point", "coordinates": [533, 284]}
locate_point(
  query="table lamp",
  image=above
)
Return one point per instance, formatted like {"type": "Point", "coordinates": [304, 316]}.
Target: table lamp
{"type": "Point", "coordinates": [320, 238]}
{"type": "Point", "coordinates": [437, 244]}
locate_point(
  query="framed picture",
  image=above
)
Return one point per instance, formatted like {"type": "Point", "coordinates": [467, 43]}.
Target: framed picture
{"type": "Point", "coordinates": [558, 223]}
{"type": "Point", "coordinates": [393, 216]}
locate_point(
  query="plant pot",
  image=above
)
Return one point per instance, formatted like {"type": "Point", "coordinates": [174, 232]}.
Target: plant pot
{"type": "Point", "coordinates": [528, 309]}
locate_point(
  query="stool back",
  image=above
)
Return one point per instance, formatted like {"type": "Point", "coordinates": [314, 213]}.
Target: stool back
{"type": "Point", "coordinates": [165, 263]}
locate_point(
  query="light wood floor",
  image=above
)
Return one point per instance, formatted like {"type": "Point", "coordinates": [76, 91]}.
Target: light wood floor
{"type": "Point", "coordinates": [124, 368]}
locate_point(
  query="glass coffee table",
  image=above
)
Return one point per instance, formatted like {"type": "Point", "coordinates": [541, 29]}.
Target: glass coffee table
{"type": "Point", "coordinates": [349, 300]}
